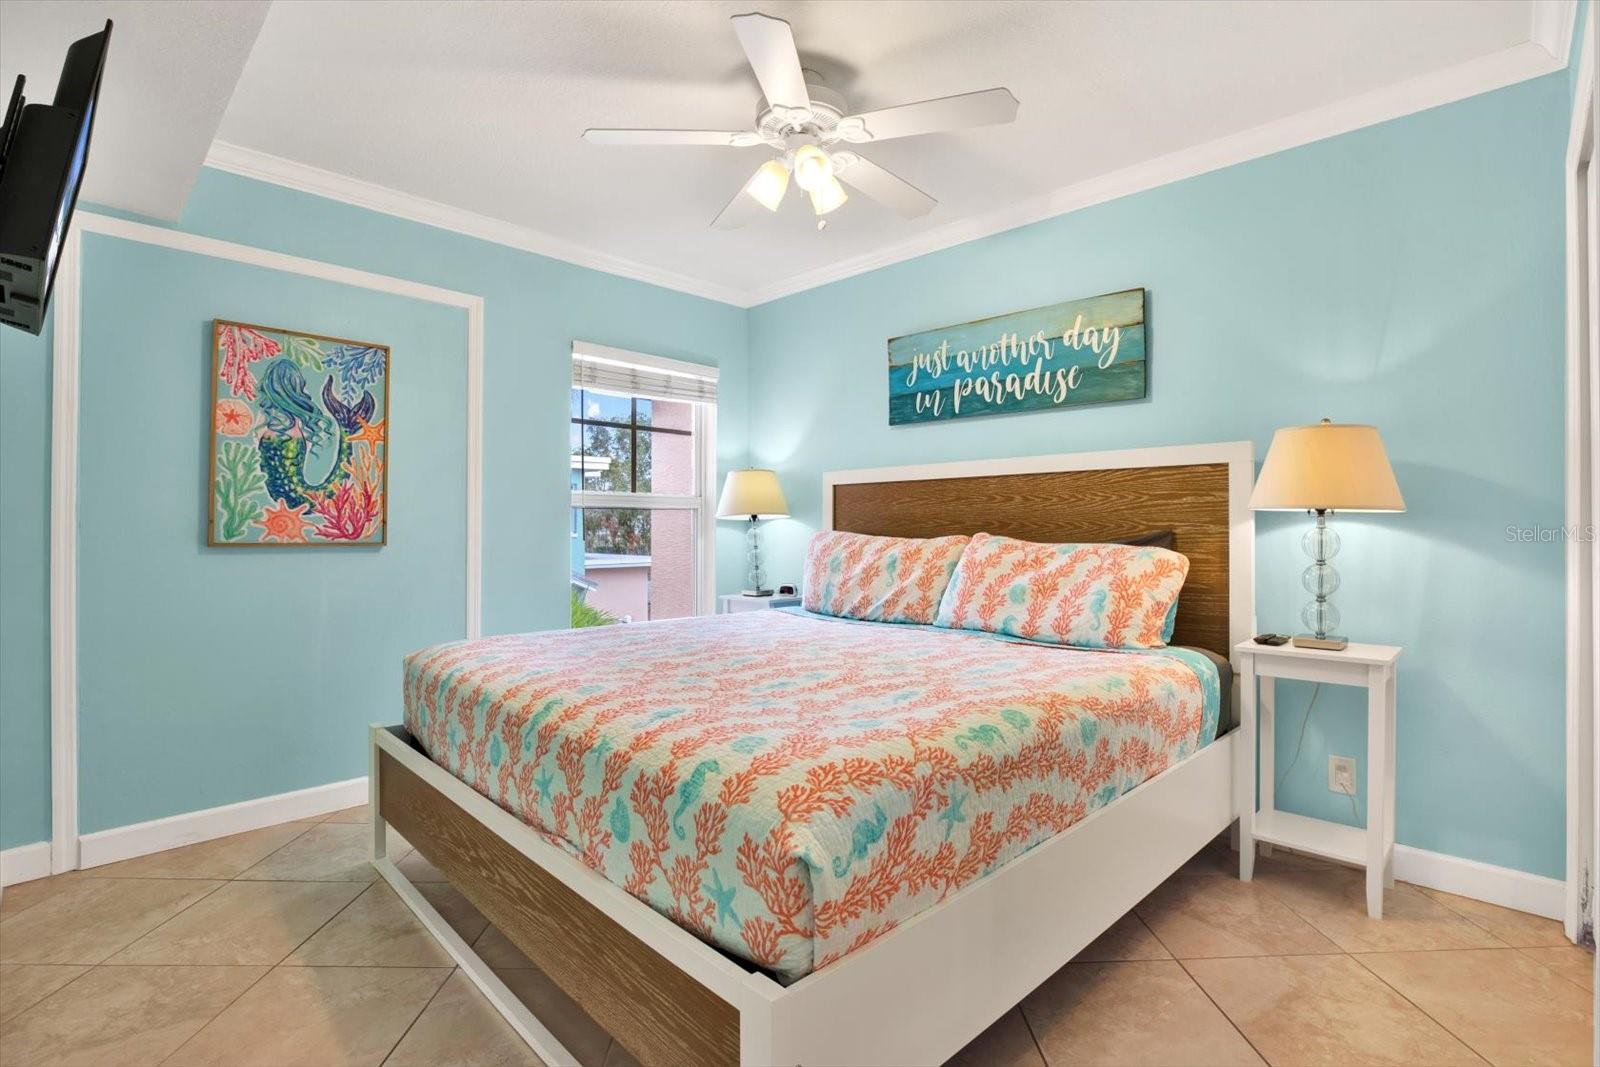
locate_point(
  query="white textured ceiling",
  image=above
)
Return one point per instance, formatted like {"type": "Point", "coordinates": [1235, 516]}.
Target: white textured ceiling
{"type": "Point", "coordinates": [169, 73]}
{"type": "Point", "coordinates": [479, 106]}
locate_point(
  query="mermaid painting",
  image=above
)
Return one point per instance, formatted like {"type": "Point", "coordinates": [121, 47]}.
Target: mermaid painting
{"type": "Point", "coordinates": [299, 438]}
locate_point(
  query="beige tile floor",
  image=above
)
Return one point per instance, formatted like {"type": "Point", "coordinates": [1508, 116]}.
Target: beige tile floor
{"type": "Point", "coordinates": [279, 947]}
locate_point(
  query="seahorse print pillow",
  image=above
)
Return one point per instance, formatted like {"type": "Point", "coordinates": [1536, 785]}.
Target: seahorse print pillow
{"type": "Point", "coordinates": [1086, 595]}
{"type": "Point", "coordinates": [879, 579]}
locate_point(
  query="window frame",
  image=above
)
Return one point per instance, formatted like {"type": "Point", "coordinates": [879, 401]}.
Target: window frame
{"type": "Point", "coordinates": [703, 431]}
{"type": "Point", "coordinates": [634, 428]}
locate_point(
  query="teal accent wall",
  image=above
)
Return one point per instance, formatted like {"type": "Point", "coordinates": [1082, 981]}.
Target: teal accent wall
{"type": "Point", "coordinates": [244, 672]}
{"type": "Point", "coordinates": [24, 587]}
{"type": "Point", "coordinates": [179, 694]}
{"type": "Point", "coordinates": [1408, 275]}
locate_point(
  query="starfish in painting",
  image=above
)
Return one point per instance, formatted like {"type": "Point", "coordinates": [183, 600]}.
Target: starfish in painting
{"type": "Point", "coordinates": [373, 433]}
{"type": "Point", "coordinates": [282, 523]}
{"type": "Point", "coordinates": [233, 417]}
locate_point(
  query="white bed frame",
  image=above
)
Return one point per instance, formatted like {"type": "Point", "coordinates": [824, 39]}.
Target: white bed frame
{"type": "Point", "coordinates": [920, 993]}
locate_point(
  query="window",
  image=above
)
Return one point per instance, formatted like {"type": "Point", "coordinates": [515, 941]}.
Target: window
{"type": "Point", "coordinates": [640, 444]}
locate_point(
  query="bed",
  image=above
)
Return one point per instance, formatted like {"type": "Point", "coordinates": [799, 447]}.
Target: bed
{"type": "Point", "coordinates": [750, 838]}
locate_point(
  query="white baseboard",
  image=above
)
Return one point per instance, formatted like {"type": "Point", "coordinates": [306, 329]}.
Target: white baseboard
{"type": "Point", "coordinates": [158, 835]}
{"type": "Point", "coordinates": [1509, 888]}
{"type": "Point", "coordinates": [25, 863]}
{"type": "Point", "coordinates": [1532, 893]}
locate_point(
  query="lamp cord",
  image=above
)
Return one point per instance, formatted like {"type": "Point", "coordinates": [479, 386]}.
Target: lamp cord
{"type": "Point", "coordinates": [1300, 744]}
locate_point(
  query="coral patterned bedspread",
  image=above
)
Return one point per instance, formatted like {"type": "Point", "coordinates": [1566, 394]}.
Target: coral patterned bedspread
{"type": "Point", "coordinates": [788, 786]}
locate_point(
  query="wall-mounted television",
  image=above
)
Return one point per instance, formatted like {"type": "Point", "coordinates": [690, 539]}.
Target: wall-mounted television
{"type": "Point", "coordinates": [44, 149]}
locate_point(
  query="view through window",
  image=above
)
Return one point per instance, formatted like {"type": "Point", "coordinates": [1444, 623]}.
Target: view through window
{"type": "Point", "coordinates": [636, 559]}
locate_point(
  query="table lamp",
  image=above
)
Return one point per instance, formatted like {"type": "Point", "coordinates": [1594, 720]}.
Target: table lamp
{"type": "Point", "coordinates": [1324, 468]}
{"type": "Point", "coordinates": [753, 495]}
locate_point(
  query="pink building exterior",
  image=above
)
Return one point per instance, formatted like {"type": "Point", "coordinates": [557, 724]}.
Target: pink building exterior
{"type": "Point", "coordinates": [660, 585]}
{"type": "Point", "coordinates": [672, 533]}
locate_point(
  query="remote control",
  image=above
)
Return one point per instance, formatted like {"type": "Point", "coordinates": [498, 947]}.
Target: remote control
{"type": "Point", "coordinates": [1271, 639]}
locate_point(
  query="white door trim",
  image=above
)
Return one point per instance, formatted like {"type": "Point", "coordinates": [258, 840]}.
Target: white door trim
{"type": "Point", "coordinates": [1579, 553]}
{"type": "Point", "coordinates": [65, 849]}
{"type": "Point", "coordinates": [1580, 556]}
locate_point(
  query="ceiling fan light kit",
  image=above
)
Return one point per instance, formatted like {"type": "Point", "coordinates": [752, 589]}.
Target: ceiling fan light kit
{"type": "Point", "coordinates": [769, 184]}
{"type": "Point", "coordinates": [828, 196]}
{"type": "Point", "coordinates": [803, 120]}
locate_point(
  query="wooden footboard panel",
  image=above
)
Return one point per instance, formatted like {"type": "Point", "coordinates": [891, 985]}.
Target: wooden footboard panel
{"type": "Point", "coordinates": [658, 1012]}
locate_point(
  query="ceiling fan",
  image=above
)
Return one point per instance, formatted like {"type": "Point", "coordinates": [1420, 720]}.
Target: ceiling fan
{"type": "Point", "coordinates": [806, 122]}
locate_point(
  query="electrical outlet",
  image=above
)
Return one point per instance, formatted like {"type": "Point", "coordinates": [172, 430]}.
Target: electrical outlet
{"type": "Point", "coordinates": [1342, 775]}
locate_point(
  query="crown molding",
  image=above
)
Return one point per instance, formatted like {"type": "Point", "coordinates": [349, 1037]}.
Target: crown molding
{"type": "Point", "coordinates": [1551, 25]}
{"type": "Point", "coordinates": [262, 166]}
{"type": "Point", "coordinates": [1550, 30]}
{"type": "Point", "coordinates": [1494, 71]}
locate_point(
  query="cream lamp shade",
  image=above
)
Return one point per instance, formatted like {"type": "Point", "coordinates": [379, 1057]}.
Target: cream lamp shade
{"type": "Point", "coordinates": [1326, 467]}
{"type": "Point", "coordinates": [752, 494]}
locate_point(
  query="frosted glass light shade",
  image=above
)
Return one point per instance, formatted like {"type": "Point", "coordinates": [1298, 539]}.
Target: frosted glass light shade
{"type": "Point", "coordinates": [812, 167]}
{"type": "Point", "coordinates": [1329, 466]}
{"type": "Point", "coordinates": [769, 184]}
{"type": "Point", "coordinates": [828, 196]}
{"type": "Point", "coordinates": [752, 493]}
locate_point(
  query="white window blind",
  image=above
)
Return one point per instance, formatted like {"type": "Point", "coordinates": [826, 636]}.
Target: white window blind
{"type": "Point", "coordinates": [613, 370]}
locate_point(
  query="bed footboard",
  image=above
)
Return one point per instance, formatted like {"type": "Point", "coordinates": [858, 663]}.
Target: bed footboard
{"type": "Point", "coordinates": [644, 1000]}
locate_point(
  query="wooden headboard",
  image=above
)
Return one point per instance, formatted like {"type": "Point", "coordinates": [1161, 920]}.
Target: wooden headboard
{"type": "Point", "coordinates": [1199, 492]}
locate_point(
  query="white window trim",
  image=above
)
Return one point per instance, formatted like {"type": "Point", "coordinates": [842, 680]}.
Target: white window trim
{"type": "Point", "coordinates": [624, 358]}
{"type": "Point", "coordinates": [703, 502]}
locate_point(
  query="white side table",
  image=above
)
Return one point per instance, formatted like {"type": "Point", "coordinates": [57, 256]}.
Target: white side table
{"type": "Point", "coordinates": [1369, 666]}
{"type": "Point", "coordinates": [736, 602]}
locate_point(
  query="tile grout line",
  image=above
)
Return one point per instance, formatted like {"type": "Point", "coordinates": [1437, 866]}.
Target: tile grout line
{"type": "Point", "coordinates": [140, 937]}
{"type": "Point", "coordinates": [1349, 954]}
{"type": "Point", "coordinates": [269, 967]}
{"type": "Point", "coordinates": [214, 1018]}
{"type": "Point", "coordinates": [417, 1018]}
{"type": "Point", "coordinates": [1207, 994]}
{"type": "Point", "coordinates": [1032, 1034]}
{"type": "Point", "coordinates": [1527, 949]}
{"type": "Point", "coordinates": [90, 968]}
{"type": "Point", "coordinates": [1465, 1043]}
{"type": "Point", "coordinates": [87, 970]}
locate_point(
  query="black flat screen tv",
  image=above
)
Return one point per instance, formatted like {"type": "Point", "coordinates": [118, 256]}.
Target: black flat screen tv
{"type": "Point", "coordinates": [44, 149]}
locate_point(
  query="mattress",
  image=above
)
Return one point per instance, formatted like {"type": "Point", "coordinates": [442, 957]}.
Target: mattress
{"type": "Point", "coordinates": [790, 787]}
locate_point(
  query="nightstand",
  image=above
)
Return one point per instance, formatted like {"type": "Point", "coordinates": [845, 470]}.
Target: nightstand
{"type": "Point", "coordinates": [1371, 667]}
{"type": "Point", "coordinates": [737, 602]}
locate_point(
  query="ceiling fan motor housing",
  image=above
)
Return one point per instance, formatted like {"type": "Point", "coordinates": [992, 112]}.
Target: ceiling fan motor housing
{"type": "Point", "coordinates": [777, 124]}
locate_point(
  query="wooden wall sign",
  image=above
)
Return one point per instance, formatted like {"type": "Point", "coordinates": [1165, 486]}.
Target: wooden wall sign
{"type": "Point", "coordinates": [1080, 352]}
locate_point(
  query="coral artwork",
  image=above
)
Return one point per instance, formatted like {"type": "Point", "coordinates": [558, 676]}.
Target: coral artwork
{"type": "Point", "coordinates": [299, 445]}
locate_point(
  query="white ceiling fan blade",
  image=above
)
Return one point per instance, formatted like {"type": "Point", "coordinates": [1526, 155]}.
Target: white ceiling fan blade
{"type": "Point", "coordinates": [888, 189]}
{"type": "Point", "coordinates": [983, 108]}
{"type": "Point", "coordinates": [725, 139]}
{"type": "Point", "coordinates": [741, 210]}
{"type": "Point", "coordinates": [769, 45]}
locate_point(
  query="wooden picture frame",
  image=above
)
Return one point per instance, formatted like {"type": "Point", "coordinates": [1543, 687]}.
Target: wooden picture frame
{"type": "Point", "coordinates": [264, 409]}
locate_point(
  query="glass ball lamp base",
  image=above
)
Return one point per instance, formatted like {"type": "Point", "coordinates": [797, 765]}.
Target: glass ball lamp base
{"type": "Point", "coordinates": [1321, 580]}
{"type": "Point", "coordinates": [756, 573]}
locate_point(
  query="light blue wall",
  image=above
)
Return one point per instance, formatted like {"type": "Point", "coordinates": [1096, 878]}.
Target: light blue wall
{"type": "Point", "coordinates": [24, 587]}
{"type": "Point", "coordinates": [178, 693]}
{"type": "Point", "coordinates": [1409, 275]}
{"type": "Point", "coordinates": [211, 675]}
